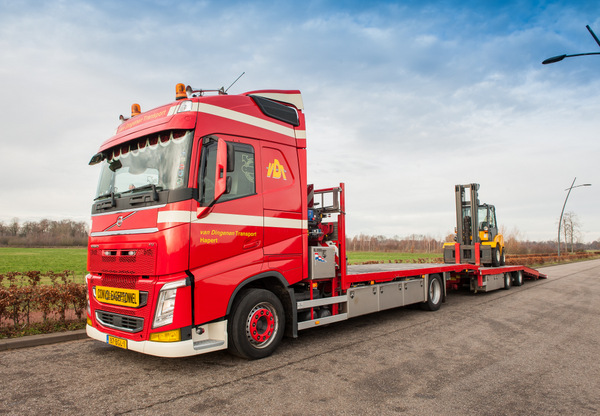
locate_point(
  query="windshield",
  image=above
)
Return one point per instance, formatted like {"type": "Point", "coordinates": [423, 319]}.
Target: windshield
{"type": "Point", "coordinates": [486, 217]}
{"type": "Point", "coordinates": [158, 161]}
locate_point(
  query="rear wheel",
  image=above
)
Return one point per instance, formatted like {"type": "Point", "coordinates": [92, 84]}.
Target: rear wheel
{"type": "Point", "coordinates": [518, 278]}
{"type": "Point", "coordinates": [256, 325]}
{"type": "Point", "coordinates": [502, 258]}
{"type": "Point", "coordinates": [507, 281]}
{"type": "Point", "coordinates": [435, 293]}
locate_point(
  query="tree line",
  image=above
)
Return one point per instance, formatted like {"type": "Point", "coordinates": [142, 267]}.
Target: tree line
{"type": "Point", "coordinates": [417, 243]}
{"type": "Point", "coordinates": [43, 233]}
{"type": "Point", "coordinates": [49, 233]}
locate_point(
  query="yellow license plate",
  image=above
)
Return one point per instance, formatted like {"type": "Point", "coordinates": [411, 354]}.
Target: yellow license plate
{"type": "Point", "coordinates": [118, 296]}
{"type": "Point", "coordinates": [117, 342]}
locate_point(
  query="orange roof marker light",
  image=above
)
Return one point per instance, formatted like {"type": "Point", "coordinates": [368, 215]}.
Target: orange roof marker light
{"type": "Point", "coordinates": [180, 93]}
{"type": "Point", "coordinates": [135, 110]}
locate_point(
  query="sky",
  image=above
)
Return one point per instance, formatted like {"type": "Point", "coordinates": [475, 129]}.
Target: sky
{"type": "Point", "coordinates": [403, 99]}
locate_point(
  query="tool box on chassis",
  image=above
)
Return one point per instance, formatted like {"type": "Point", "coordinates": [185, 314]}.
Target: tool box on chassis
{"type": "Point", "coordinates": [205, 234]}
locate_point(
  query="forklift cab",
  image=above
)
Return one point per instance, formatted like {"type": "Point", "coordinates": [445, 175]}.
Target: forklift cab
{"type": "Point", "coordinates": [488, 228]}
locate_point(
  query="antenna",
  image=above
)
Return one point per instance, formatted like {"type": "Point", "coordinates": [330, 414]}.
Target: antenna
{"type": "Point", "coordinates": [591, 32]}
{"type": "Point", "coordinates": [236, 80]}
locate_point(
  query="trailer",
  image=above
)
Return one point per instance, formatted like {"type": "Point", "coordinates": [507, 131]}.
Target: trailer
{"type": "Point", "coordinates": [206, 236]}
{"type": "Point", "coordinates": [486, 279]}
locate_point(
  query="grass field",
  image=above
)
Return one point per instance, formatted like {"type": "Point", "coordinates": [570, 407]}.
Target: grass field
{"type": "Point", "coordinates": [17, 259]}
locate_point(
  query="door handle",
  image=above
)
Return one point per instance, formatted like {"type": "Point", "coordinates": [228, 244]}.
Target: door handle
{"type": "Point", "coordinates": [251, 244]}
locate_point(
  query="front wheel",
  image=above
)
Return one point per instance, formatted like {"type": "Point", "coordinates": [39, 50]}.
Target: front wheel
{"type": "Point", "coordinates": [256, 324]}
{"type": "Point", "coordinates": [435, 293]}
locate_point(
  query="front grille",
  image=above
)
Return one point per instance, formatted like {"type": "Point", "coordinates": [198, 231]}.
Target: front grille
{"type": "Point", "coordinates": [121, 322]}
{"type": "Point", "coordinates": [119, 280]}
{"type": "Point", "coordinates": [135, 259]}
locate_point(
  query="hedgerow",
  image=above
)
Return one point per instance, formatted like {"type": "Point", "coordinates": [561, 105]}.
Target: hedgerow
{"type": "Point", "coordinates": [28, 307]}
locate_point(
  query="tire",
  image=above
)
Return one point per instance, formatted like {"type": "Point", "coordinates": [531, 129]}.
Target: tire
{"type": "Point", "coordinates": [502, 258]}
{"type": "Point", "coordinates": [435, 293]}
{"type": "Point", "coordinates": [518, 278]}
{"type": "Point", "coordinates": [507, 281]}
{"type": "Point", "coordinates": [256, 324]}
{"type": "Point", "coordinates": [496, 257]}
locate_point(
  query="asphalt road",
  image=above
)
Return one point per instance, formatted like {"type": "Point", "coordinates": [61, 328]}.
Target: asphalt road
{"type": "Point", "coordinates": [531, 350]}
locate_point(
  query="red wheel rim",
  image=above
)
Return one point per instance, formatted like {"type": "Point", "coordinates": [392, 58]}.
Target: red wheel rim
{"type": "Point", "coordinates": [261, 325]}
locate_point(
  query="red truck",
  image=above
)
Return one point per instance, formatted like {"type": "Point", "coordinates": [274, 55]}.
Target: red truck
{"type": "Point", "coordinates": [206, 235]}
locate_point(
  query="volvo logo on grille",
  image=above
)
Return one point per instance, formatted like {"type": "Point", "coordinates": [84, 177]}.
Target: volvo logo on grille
{"type": "Point", "coordinates": [120, 220]}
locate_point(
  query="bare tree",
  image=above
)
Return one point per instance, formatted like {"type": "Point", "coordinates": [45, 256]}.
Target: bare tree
{"type": "Point", "coordinates": [571, 229]}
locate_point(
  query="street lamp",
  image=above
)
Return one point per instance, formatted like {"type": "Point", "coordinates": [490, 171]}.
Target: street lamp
{"type": "Point", "coordinates": [563, 208]}
{"type": "Point", "coordinates": [561, 57]}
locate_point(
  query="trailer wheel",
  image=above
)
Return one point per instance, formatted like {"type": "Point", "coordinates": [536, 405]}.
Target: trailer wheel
{"type": "Point", "coordinates": [518, 278]}
{"type": "Point", "coordinates": [496, 257]}
{"type": "Point", "coordinates": [435, 293]}
{"type": "Point", "coordinates": [507, 281]}
{"type": "Point", "coordinates": [256, 325]}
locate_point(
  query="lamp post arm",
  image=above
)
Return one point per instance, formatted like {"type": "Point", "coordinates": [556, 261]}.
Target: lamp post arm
{"type": "Point", "coordinates": [593, 34]}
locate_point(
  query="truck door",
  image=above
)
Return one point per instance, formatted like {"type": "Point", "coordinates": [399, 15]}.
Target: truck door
{"type": "Point", "coordinates": [231, 234]}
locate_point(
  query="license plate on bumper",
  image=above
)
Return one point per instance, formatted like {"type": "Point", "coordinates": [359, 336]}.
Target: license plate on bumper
{"type": "Point", "coordinates": [117, 342]}
{"type": "Point", "coordinates": [117, 296]}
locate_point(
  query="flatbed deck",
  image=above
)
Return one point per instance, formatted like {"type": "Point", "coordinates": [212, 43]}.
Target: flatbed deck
{"type": "Point", "coordinates": [386, 272]}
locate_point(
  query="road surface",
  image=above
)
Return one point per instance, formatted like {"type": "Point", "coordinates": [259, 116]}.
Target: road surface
{"type": "Point", "coordinates": [531, 350]}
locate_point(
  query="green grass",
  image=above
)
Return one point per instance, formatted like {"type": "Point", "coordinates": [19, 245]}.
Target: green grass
{"type": "Point", "coordinates": [363, 256]}
{"type": "Point", "coordinates": [17, 259]}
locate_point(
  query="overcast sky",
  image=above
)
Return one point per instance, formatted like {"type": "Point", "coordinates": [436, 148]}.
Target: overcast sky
{"type": "Point", "coordinates": [403, 99]}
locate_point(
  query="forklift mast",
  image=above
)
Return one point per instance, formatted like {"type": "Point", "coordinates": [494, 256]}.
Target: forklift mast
{"type": "Point", "coordinates": [467, 221]}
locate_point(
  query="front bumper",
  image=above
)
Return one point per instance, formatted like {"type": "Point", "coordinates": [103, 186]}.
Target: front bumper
{"type": "Point", "coordinates": [214, 338]}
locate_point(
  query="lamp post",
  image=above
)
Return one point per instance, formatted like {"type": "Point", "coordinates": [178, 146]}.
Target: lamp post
{"type": "Point", "coordinates": [563, 208]}
{"type": "Point", "coordinates": [561, 57]}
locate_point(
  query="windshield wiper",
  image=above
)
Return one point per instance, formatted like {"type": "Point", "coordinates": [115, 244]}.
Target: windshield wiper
{"type": "Point", "coordinates": [149, 186]}
{"type": "Point", "coordinates": [113, 203]}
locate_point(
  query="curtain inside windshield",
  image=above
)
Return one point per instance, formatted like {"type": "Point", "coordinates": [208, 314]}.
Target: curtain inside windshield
{"type": "Point", "coordinates": [159, 160]}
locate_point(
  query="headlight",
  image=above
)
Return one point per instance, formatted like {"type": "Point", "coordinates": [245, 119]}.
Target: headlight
{"type": "Point", "coordinates": [165, 306]}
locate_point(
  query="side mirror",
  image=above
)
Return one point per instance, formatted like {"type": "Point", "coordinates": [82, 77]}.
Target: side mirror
{"type": "Point", "coordinates": [222, 182]}
{"type": "Point", "coordinates": [221, 170]}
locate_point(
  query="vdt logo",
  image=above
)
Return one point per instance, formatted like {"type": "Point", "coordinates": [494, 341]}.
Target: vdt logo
{"type": "Point", "coordinates": [276, 170]}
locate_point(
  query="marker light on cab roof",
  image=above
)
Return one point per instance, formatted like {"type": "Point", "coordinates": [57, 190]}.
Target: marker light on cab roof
{"type": "Point", "coordinates": [135, 110]}
{"type": "Point", "coordinates": [180, 93]}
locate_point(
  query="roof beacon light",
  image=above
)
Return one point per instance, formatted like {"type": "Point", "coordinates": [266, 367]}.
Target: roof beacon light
{"type": "Point", "coordinates": [180, 93]}
{"type": "Point", "coordinates": [135, 110]}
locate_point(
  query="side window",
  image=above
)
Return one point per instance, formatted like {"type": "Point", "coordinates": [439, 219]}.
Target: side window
{"type": "Point", "coordinates": [206, 174]}
{"type": "Point", "coordinates": [492, 217]}
{"type": "Point", "coordinates": [242, 177]}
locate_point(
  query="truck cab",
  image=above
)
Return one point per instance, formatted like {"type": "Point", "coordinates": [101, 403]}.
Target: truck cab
{"type": "Point", "coordinates": [199, 201]}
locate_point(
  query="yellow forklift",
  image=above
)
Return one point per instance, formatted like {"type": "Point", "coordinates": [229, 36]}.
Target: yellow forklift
{"type": "Point", "coordinates": [477, 240]}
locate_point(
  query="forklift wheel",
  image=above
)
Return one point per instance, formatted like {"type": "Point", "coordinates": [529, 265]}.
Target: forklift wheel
{"type": "Point", "coordinates": [496, 257]}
